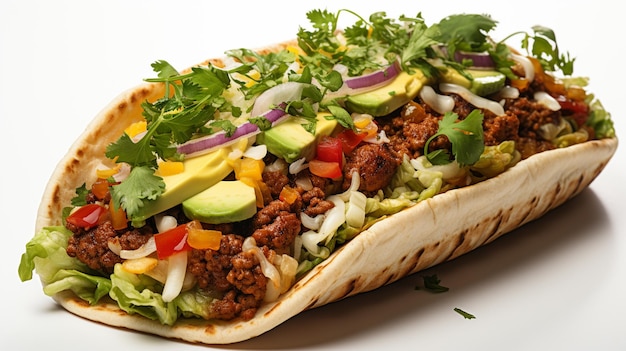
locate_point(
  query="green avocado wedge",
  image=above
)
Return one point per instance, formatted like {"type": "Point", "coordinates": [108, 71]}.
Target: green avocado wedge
{"type": "Point", "coordinates": [225, 202]}
{"type": "Point", "coordinates": [388, 98]}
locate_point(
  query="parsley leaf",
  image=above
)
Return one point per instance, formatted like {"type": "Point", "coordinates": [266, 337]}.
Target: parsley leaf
{"type": "Point", "coordinates": [466, 137]}
{"type": "Point", "coordinates": [141, 185]}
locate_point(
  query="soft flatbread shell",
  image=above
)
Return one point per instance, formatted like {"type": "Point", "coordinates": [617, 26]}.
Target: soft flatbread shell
{"type": "Point", "coordinates": [431, 232]}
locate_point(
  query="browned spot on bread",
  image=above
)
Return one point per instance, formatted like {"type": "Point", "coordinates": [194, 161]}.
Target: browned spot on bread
{"type": "Point", "coordinates": [497, 219]}
{"type": "Point", "coordinates": [417, 258]}
{"type": "Point", "coordinates": [209, 329]}
{"type": "Point", "coordinates": [313, 302]}
{"type": "Point", "coordinates": [274, 307]}
{"type": "Point", "coordinates": [581, 183]}
{"type": "Point", "coordinates": [122, 106]}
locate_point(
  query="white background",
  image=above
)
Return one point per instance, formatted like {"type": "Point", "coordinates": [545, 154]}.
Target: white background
{"type": "Point", "coordinates": [557, 283]}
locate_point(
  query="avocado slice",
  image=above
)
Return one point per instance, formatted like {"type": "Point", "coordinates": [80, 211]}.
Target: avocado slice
{"type": "Point", "coordinates": [200, 173]}
{"type": "Point", "coordinates": [483, 83]}
{"type": "Point", "coordinates": [386, 99]}
{"type": "Point", "coordinates": [224, 202]}
{"type": "Point", "coordinates": [290, 141]}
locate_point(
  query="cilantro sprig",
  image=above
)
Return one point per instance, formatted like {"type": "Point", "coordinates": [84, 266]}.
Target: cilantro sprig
{"type": "Point", "coordinates": [432, 283]}
{"type": "Point", "coordinates": [542, 45]}
{"type": "Point", "coordinates": [466, 137]}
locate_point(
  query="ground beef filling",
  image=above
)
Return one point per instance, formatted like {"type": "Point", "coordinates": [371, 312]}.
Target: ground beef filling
{"type": "Point", "coordinates": [416, 122]}
{"type": "Point", "coordinates": [235, 278]}
{"type": "Point", "coordinates": [91, 246]}
{"type": "Point", "coordinates": [374, 163]}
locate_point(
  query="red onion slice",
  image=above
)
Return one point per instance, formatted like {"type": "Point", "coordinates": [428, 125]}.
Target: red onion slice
{"type": "Point", "coordinates": [375, 78]}
{"type": "Point", "coordinates": [479, 59]}
{"type": "Point", "coordinates": [364, 83]}
{"type": "Point", "coordinates": [211, 142]}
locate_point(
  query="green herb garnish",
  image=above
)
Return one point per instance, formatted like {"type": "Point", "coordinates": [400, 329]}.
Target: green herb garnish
{"type": "Point", "coordinates": [432, 284]}
{"type": "Point", "coordinates": [464, 314]}
{"type": "Point", "coordinates": [466, 137]}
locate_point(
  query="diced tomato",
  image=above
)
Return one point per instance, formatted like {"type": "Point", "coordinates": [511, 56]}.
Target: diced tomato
{"type": "Point", "coordinates": [288, 195]}
{"type": "Point", "coordinates": [325, 169]}
{"type": "Point", "coordinates": [171, 241]}
{"type": "Point", "coordinates": [100, 188]}
{"type": "Point", "coordinates": [349, 140]}
{"type": "Point", "coordinates": [203, 239]}
{"type": "Point", "coordinates": [87, 216]}
{"type": "Point", "coordinates": [329, 149]}
{"type": "Point", "coordinates": [118, 217]}
{"type": "Point", "coordinates": [577, 110]}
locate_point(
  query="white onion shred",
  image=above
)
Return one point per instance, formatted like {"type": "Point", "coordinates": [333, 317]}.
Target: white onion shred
{"type": "Point", "coordinates": [275, 96]}
{"type": "Point", "coordinates": [273, 288]}
{"type": "Point", "coordinates": [298, 166]}
{"type": "Point", "coordinates": [547, 100]}
{"type": "Point", "coordinates": [477, 101]}
{"type": "Point", "coordinates": [123, 172]}
{"type": "Point", "coordinates": [355, 183]}
{"type": "Point", "coordinates": [176, 269]}
{"type": "Point", "coordinates": [508, 92]}
{"type": "Point", "coordinates": [297, 247]}
{"type": "Point", "coordinates": [159, 273]}
{"type": "Point", "coordinates": [529, 69]}
{"type": "Point", "coordinates": [165, 223]}
{"type": "Point", "coordinates": [439, 103]}
{"type": "Point", "coordinates": [278, 165]}
{"type": "Point", "coordinates": [287, 267]}
{"type": "Point", "coordinates": [144, 250]}
{"type": "Point", "coordinates": [355, 214]}
{"type": "Point", "coordinates": [335, 217]}
{"type": "Point", "coordinates": [304, 182]}
{"type": "Point", "coordinates": [450, 170]}
{"type": "Point", "coordinates": [114, 245]}
{"type": "Point", "coordinates": [257, 152]}
{"type": "Point", "coordinates": [379, 138]}
{"type": "Point", "coordinates": [235, 154]}
{"type": "Point", "coordinates": [313, 223]}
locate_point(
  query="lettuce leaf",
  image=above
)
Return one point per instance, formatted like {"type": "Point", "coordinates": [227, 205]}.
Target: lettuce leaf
{"type": "Point", "coordinates": [141, 294]}
{"type": "Point", "coordinates": [46, 255]}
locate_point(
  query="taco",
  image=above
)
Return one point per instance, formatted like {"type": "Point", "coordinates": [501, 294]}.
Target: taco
{"type": "Point", "coordinates": [211, 205]}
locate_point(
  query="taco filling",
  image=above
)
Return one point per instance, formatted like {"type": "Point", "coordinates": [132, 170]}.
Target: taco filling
{"type": "Point", "coordinates": [251, 170]}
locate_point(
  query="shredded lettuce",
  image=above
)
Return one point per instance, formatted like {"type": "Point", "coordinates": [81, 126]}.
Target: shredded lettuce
{"type": "Point", "coordinates": [600, 119]}
{"type": "Point", "coordinates": [495, 160]}
{"type": "Point", "coordinates": [45, 253]}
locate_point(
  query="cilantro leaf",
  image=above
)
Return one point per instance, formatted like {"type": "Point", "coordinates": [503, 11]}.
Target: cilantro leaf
{"type": "Point", "coordinates": [422, 38]}
{"type": "Point", "coordinates": [81, 196]}
{"type": "Point", "coordinates": [125, 150]}
{"type": "Point", "coordinates": [164, 69]}
{"type": "Point", "coordinates": [342, 116]}
{"type": "Point", "coordinates": [464, 314]}
{"type": "Point", "coordinates": [431, 283]}
{"type": "Point", "coordinates": [466, 137]}
{"type": "Point", "coordinates": [227, 126]}
{"type": "Point", "coordinates": [466, 32]}
{"type": "Point", "coordinates": [140, 186]}
{"type": "Point", "coordinates": [546, 50]}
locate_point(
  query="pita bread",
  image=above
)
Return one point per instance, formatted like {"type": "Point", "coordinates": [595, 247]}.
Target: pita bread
{"type": "Point", "coordinates": [407, 242]}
